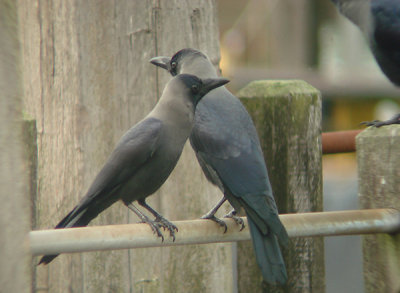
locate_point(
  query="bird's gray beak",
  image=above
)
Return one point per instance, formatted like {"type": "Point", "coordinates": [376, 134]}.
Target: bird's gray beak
{"type": "Point", "coordinates": [212, 83]}
{"type": "Point", "coordinates": [161, 61]}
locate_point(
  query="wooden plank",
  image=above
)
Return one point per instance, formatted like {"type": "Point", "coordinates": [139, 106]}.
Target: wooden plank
{"type": "Point", "coordinates": [15, 216]}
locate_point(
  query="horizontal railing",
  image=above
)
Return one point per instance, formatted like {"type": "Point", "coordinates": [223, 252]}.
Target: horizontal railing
{"type": "Point", "coordinates": [203, 231]}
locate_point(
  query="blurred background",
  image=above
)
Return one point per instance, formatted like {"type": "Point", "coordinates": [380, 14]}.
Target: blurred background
{"type": "Point", "coordinates": [309, 40]}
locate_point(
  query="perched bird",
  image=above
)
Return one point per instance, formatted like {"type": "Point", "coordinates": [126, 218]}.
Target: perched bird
{"type": "Point", "coordinates": [379, 21]}
{"type": "Point", "coordinates": [144, 157]}
{"type": "Point", "coordinates": [227, 147]}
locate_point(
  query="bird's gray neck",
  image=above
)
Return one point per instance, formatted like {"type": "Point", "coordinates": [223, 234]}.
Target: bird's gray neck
{"type": "Point", "coordinates": [174, 108]}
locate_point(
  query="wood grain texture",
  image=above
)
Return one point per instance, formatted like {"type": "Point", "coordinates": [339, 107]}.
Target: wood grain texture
{"type": "Point", "coordinates": [15, 216]}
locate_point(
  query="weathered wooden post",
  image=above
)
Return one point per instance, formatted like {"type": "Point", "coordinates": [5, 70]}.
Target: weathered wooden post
{"type": "Point", "coordinates": [15, 220]}
{"type": "Point", "coordinates": [378, 157]}
{"type": "Point", "coordinates": [287, 115]}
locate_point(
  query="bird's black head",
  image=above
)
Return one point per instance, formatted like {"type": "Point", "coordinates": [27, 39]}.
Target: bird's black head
{"type": "Point", "coordinates": [197, 87]}
{"type": "Point", "coordinates": [173, 64]}
{"type": "Point", "coordinates": [178, 58]}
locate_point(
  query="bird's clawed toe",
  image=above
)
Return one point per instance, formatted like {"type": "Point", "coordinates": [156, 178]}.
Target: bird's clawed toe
{"type": "Point", "coordinates": [377, 123]}
{"type": "Point", "coordinates": [165, 224]}
{"type": "Point", "coordinates": [369, 123]}
{"type": "Point", "coordinates": [239, 221]}
{"type": "Point", "coordinates": [216, 220]}
{"type": "Point", "coordinates": [155, 226]}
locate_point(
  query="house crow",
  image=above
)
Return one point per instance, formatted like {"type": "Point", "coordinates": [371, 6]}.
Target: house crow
{"type": "Point", "coordinates": [144, 157]}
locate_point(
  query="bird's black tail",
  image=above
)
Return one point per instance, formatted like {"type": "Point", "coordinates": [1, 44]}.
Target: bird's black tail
{"type": "Point", "coordinates": [71, 220]}
{"type": "Point", "coordinates": [80, 216]}
{"type": "Point", "coordinates": [47, 258]}
{"type": "Point", "coordinates": [268, 255]}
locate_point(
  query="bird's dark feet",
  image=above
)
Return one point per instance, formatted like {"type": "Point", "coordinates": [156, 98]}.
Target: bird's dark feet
{"type": "Point", "coordinates": [160, 220]}
{"type": "Point", "coordinates": [394, 120]}
{"type": "Point", "coordinates": [165, 224]}
{"type": "Point", "coordinates": [155, 226]}
{"type": "Point", "coordinates": [239, 221]}
{"type": "Point", "coordinates": [212, 217]}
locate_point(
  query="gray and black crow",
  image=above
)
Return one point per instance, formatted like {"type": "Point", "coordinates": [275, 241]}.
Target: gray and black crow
{"type": "Point", "coordinates": [145, 156]}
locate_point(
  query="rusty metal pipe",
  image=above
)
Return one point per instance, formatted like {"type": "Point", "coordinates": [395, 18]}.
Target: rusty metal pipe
{"type": "Point", "coordinates": [339, 141]}
{"type": "Point", "coordinates": [204, 231]}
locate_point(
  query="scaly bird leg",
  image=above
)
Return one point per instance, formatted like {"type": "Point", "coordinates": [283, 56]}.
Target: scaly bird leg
{"type": "Point", "coordinates": [155, 226]}
{"type": "Point", "coordinates": [211, 215]}
{"type": "Point", "coordinates": [163, 222]}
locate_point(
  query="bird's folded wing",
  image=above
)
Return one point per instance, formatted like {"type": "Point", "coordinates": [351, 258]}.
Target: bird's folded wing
{"type": "Point", "coordinates": [242, 170]}
{"type": "Point", "coordinates": [387, 24]}
{"type": "Point", "coordinates": [136, 147]}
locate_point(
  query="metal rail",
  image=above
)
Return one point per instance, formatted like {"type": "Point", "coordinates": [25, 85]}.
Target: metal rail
{"type": "Point", "coordinates": [204, 231]}
{"type": "Point", "coordinates": [339, 141]}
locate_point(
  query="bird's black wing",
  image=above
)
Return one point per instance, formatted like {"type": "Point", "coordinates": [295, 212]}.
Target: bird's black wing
{"type": "Point", "coordinates": [225, 139]}
{"type": "Point", "coordinates": [245, 177]}
{"type": "Point", "coordinates": [134, 149]}
{"type": "Point", "coordinates": [385, 37]}
{"type": "Point", "coordinates": [386, 18]}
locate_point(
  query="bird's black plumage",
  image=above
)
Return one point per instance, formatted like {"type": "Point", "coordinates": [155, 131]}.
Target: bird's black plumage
{"type": "Point", "coordinates": [385, 37]}
{"type": "Point", "coordinates": [227, 147]}
{"type": "Point", "coordinates": [379, 20]}
{"type": "Point", "coordinates": [144, 157]}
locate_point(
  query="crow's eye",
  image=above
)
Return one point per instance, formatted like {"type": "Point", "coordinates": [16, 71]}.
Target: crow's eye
{"type": "Point", "coordinates": [173, 64]}
{"type": "Point", "coordinates": [195, 88]}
